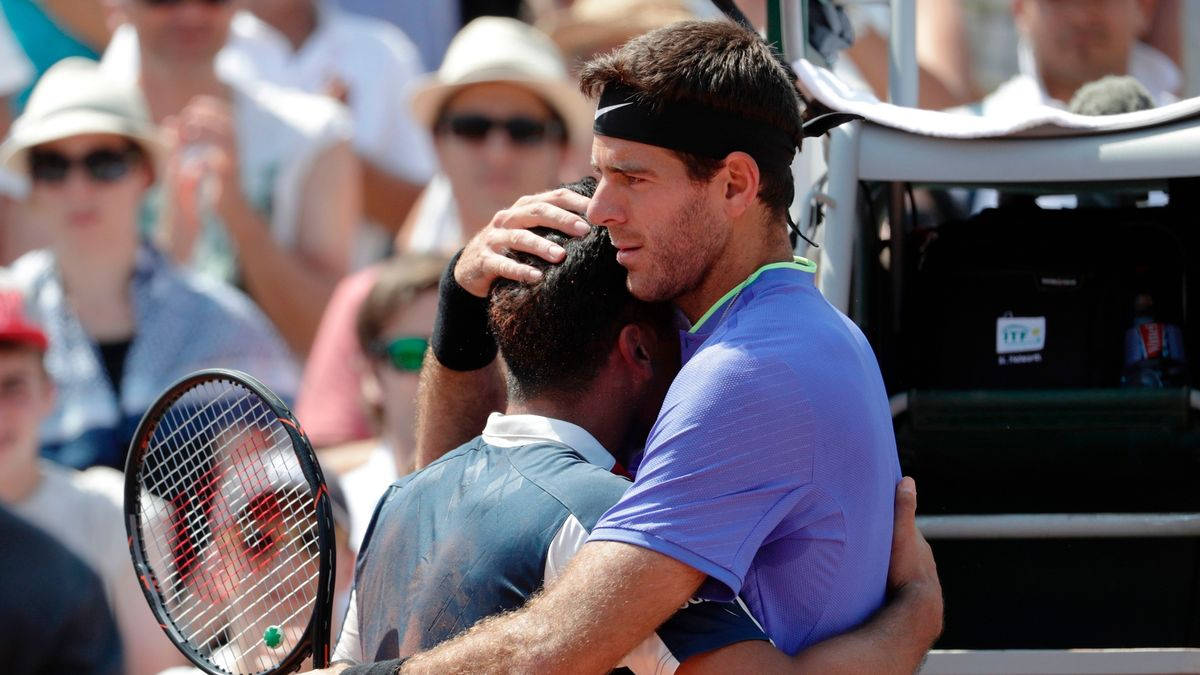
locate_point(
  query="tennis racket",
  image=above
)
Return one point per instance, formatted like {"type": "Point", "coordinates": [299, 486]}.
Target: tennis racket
{"type": "Point", "coordinates": [230, 526]}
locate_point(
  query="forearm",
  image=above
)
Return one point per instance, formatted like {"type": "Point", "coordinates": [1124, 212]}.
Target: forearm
{"type": "Point", "coordinates": [387, 198]}
{"type": "Point", "coordinates": [519, 642]}
{"type": "Point", "coordinates": [291, 291]}
{"type": "Point", "coordinates": [610, 598]}
{"type": "Point", "coordinates": [86, 20]}
{"type": "Point", "coordinates": [452, 406]}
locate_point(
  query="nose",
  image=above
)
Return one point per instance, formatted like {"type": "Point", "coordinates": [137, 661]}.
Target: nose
{"type": "Point", "coordinates": [605, 209]}
{"type": "Point", "coordinates": [497, 148]}
{"type": "Point", "coordinates": [77, 184]}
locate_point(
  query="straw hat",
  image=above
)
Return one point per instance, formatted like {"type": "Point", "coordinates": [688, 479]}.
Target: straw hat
{"type": "Point", "coordinates": [589, 26]}
{"type": "Point", "coordinates": [497, 49]}
{"type": "Point", "coordinates": [73, 98]}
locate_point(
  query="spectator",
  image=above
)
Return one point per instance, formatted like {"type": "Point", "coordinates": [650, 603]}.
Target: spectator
{"type": "Point", "coordinates": [53, 617]}
{"type": "Point", "coordinates": [430, 25]}
{"type": "Point", "coordinates": [369, 65]}
{"type": "Point", "coordinates": [1065, 44]}
{"type": "Point", "coordinates": [503, 115]}
{"type": "Point", "coordinates": [51, 30]}
{"type": "Point", "coordinates": [15, 73]}
{"type": "Point", "coordinates": [264, 183]}
{"type": "Point", "coordinates": [393, 327]}
{"type": "Point", "coordinates": [73, 507]}
{"type": "Point", "coordinates": [588, 27]}
{"type": "Point", "coordinates": [124, 322]}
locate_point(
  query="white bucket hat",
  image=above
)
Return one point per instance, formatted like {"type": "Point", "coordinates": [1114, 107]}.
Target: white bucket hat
{"type": "Point", "coordinates": [497, 49]}
{"type": "Point", "coordinates": [75, 97]}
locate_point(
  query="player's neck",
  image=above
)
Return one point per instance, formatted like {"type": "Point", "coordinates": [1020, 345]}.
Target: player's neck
{"type": "Point", "coordinates": [19, 482]}
{"type": "Point", "coordinates": [588, 410]}
{"type": "Point", "coordinates": [170, 87]}
{"type": "Point", "coordinates": [745, 253]}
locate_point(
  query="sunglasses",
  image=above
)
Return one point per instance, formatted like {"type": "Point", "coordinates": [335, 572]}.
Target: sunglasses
{"type": "Point", "coordinates": [165, 3]}
{"type": "Point", "coordinates": [103, 166]}
{"type": "Point", "coordinates": [404, 353]}
{"type": "Point", "coordinates": [521, 130]}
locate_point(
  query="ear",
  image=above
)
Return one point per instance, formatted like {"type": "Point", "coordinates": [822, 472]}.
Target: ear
{"type": "Point", "coordinates": [633, 350]}
{"type": "Point", "coordinates": [740, 184]}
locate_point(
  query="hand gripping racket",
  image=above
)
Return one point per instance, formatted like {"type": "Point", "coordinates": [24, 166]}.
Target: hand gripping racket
{"type": "Point", "coordinates": [230, 526]}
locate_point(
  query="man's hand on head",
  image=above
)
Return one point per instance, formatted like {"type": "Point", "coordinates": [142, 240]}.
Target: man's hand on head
{"type": "Point", "coordinates": [485, 259]}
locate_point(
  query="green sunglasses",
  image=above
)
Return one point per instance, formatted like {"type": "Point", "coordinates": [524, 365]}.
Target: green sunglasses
{"type": "Point", "coordinates": [405, 353]}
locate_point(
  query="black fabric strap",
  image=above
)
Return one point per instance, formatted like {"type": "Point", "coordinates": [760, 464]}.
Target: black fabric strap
{"type": "Point", "coordinates": [390, 667]}
{"type": "Point", "coordinates": [689, 127]}
{"type": "Point", "coordinates": [461, 338]}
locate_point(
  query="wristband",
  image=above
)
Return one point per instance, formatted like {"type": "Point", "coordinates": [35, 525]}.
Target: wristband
{"type": "Point", "coordinates": [461, 338]}
{"type": "Point", "coordinates": [390, 667]}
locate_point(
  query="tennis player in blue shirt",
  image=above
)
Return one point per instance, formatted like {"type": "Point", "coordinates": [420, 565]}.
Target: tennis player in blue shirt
{"type": "Point", "coordinates": [771, 469]}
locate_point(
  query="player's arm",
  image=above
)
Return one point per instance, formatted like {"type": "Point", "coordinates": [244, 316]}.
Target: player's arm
{"type": "Point", "coordinates": [613, 595]}
{"type": "Point", "coordinates": [895, 640]}
{"type": "Point", "coordinates": [610, 598]}
{"type": "Point", "coordinates": [463, 376]}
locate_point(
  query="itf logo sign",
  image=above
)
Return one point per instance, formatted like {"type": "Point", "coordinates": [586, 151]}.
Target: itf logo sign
{"type": "Point", "coordinates": [1015, 334]}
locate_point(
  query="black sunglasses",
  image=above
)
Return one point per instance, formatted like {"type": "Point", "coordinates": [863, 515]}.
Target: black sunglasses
{"type": "Point", "coordinates": [521, 130]}
{"type": "Point", "coordinates": [162, 3]}
{"type": "Point", "coordinates": [105, 165]}
{"type": "Point", "coordinates": [405, 353]}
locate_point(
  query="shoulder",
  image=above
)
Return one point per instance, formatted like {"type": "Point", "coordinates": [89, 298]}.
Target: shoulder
{"type": "Point", "coordinates": [374, 37]}
{"type": "Point", "coordinates": [32, 267]}
{"type": "Point", "coordinates": [585, 490]}
{"type": "Point", "coordinates": [261, 106]}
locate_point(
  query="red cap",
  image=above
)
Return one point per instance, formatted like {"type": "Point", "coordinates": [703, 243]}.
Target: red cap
{"type": "Point", "coordinates": [14, 325]}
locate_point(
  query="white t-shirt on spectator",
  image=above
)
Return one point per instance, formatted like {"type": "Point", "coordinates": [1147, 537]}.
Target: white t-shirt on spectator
{"type": "Point", "coordinates": [1153, 69]}
{"type": "Point", "coordinates": [15, 73]}
{"type": "Point", "coordinates": [281, 132]}
{"type": "Point", "coordinates": [375, 61]}
{"type": "Point", "coordinates": [82, 510]}
{"type": "Point", "coordinates": [363, 486]}
{"type": "Point", "coordinates": [15, 68]}
{"type": "Point", "coordinates": [377, 64]}
{"type": "Point", "coordinates": [437, 227]}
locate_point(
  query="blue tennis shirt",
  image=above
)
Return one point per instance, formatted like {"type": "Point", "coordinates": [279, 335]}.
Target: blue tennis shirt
{"type": "Point", "coordinates": [772, 466]}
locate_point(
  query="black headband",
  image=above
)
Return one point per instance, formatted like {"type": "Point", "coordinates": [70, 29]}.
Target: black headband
{"type": "Point", "coordinates": [689, 127]}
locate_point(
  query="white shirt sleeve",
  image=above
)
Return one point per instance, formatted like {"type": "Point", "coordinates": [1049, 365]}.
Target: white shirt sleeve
{"type": "Point", "coordinates": [15, 69]}
{"type": "Point", "coordinates": [349, 644]}
{"type": "Point", "coordinates": [651, 657]}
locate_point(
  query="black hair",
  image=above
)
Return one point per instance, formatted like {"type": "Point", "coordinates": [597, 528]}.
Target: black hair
{"type": "Point", "coordinates": [717, 64]}
{"type": "Point", "coordinates": [556, 334]}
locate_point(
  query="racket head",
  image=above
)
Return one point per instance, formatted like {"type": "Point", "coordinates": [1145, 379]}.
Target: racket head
{"type": "Point", "coordinates": [230, 526]}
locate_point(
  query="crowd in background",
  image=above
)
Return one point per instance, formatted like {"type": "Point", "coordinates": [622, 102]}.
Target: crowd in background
{"type": "Point", "coordinates": [276, 185]}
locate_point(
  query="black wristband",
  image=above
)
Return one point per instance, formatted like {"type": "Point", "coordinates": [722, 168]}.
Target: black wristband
{"type": "Point", "coordinates": [461, 338]}
{"type": "Point", "coordinates": [390, 667]}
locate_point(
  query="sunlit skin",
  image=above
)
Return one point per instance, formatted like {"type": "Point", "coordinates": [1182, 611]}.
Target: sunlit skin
{"type": "Point", "coordinates": [1077, 41]}
{"type": "Point", "coordinates": [89, 218]}
{"type": "Point", "coordinates": [668, 233]}
{"type": "Point", "coordinates": [489, 175]}
{"type": "Point", "coordinates": [185, 33]}
{"type": "Point", "coordinates": [396, 391]}
{"type": "Point", "coordinates": [26, 398]}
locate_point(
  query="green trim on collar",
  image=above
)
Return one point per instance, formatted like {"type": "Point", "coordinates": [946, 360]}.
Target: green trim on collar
{"type": "Point", "coordinates": [798, 263]}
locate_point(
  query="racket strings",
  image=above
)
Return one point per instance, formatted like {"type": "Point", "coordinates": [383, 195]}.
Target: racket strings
{"type": "Point", "coordinates": [229, 526]}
